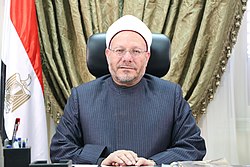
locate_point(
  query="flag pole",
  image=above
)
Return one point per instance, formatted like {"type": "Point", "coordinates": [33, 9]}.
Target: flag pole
{"type": "Point", "coordinates": [2, 97]}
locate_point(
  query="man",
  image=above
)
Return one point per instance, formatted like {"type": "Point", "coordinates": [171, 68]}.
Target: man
{"type": "Point", "coordinates": [128, 118]}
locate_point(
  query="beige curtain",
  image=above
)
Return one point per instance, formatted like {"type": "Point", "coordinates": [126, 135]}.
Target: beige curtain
{"type": "Point", "coordinates": [202, 34]}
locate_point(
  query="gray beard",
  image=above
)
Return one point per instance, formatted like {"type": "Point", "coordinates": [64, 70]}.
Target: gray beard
{"type": "Point", "coordinates": [125, 79]}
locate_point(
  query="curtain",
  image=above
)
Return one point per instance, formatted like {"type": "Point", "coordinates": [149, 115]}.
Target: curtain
{"type": "Point", "coordinates": [202, 33]}
{"type": "Point", "coordinates": [201, 46]}
{"type": "Point", "coordinates": [226, 126]}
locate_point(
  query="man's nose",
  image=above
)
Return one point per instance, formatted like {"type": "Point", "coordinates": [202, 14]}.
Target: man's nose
{"type": "Point", "coordinates": [127, 55]}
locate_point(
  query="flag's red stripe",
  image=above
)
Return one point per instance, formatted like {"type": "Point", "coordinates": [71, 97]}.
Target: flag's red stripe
{"type": "Point", "coordinates": [23, 17]}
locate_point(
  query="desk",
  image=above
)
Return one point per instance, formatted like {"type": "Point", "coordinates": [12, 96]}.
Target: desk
{"type": "Point", "coordinates": [208, 163]}
{"type": "Point", "coordinates": [84, 165]}
{"type": "Point", "coordinates": [186, 165]}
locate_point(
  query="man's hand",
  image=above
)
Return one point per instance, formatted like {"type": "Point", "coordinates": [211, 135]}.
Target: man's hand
{"type": "Point", "coordinates": [121, 158]}
{"type": "Point", "coordinates": [144, 162]}
{"type": "Point", "coordinates": [126, 158]}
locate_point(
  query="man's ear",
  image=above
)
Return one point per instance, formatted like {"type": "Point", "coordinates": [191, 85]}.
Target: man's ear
{"type": "Point", "coordinates": [148, 55]}
{"type": "Point", "coordinates": [107, 52]}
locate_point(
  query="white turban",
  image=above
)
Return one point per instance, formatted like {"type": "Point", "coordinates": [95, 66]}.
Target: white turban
{"type": "Point", "coordinates": [130, 23]}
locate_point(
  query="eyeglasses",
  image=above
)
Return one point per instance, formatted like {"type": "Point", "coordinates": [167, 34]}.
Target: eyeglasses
{"type": "Point", "coordinates": [133, 52]}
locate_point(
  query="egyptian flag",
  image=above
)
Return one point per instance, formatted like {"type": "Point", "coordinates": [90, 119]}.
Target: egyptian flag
{"type": "Point", "coordinates": [23, 81]}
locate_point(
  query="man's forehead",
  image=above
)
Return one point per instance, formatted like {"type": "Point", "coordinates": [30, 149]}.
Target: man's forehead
{"type": "Point", "coordinates": [127, 34]}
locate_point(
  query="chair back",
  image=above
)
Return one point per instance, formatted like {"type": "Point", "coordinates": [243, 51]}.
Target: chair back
{"type": "Point", "coordinates": [158, 64]}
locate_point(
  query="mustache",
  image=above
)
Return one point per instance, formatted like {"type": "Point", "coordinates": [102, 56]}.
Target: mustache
{"type": "Point", "coordinates": [128, 66]}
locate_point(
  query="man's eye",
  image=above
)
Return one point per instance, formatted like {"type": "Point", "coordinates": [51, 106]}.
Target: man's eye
{"type": "Point", "coordinates": [119, 51]}
{"type": "Point", "coordinates": [136, 51]}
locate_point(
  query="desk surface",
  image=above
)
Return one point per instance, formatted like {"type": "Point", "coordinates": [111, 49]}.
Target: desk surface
{"type": "Point", "coordinates": [203, 165]}
{"type": "Point", "coordinates": [84, 165]}
{"type": "Point", "coordinates": [75, 165]}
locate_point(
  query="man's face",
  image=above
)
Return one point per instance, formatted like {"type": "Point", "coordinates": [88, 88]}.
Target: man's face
{"type": "Point", "coordinates": [127, 58]}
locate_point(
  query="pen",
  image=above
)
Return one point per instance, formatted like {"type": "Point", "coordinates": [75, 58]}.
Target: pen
{"type": "Point", "coordinates": [17, 122]}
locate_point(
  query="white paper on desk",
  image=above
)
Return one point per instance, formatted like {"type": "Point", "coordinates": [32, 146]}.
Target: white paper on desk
{"type": "Point", "coordinates": [212, 163]}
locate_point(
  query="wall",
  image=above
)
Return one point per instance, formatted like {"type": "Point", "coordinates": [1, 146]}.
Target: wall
{"type": "Point", "coordinates": [1, 33]}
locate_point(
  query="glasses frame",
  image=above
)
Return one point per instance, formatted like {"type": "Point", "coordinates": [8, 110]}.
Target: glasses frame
{"type": "Point", "coordinates": [136, 52]}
